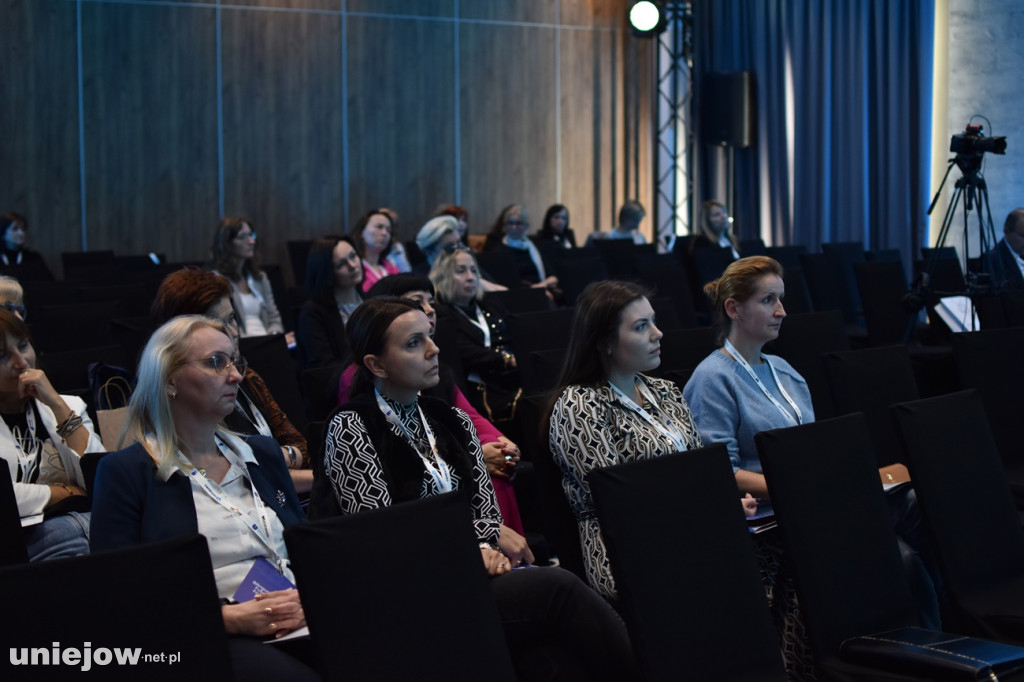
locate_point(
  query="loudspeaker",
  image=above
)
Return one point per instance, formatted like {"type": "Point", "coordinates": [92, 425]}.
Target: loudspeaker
{"type": "Point", "coordinates": [728, 108]}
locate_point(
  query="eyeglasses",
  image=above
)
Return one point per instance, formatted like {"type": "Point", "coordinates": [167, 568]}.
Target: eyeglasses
{"type": "Point", "coordinates": [517, 221]}
{"type": "Point", "coordinates": [246, 235]}
{"type": "Point", "coordinates": [14, 308]}
{"type": "Point", "coordinates": [221, 362]}
{"type": "Point", "coordinates": [457, 246]}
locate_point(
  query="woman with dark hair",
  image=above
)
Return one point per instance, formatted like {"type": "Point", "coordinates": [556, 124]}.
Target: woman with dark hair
{"type": "Point", "coordinates": [390, 444]}
{"type": "Point", "coordinates": [14, 229]}
{"type": "Point", "coordinates": [184, 472]}
{"type": "Point", "coordinates": [555, 227]}
{"type": "Point", "coordinates": [501, 455]}
{"type": "Point", "coordinates": [334, 275]}
{"type": "Point", "coordinates": [43, 435]}
{"type": "Point", "coordinates": [508, 235]}
{"type": "Point", "coordinates": [191, 291]}
{"type": "Point", "coordinates": [715, 228]}
{"type": "Point", "coordinates": [235, 257]}
{"type": "Point", "coordinates": [607, 411]}
{"type": "Point", "coordinates": [372, 238]}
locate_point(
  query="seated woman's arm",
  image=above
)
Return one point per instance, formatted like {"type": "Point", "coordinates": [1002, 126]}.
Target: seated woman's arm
{"type": "Point", "coordinates": [580, 440]}
{"type": "Point", "coordinates": [486, 514]}
{"type": "Point", "coordinates": [118, 503]}
{"type": "Point", "coordinates": [349, 453]}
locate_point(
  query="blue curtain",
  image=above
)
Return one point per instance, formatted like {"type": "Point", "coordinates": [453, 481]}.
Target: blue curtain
{"type": "Point", "coordinates": [860, 73]}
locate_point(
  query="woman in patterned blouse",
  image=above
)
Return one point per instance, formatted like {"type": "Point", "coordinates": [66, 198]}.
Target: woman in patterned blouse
{"type": "Point", "coordinates": [389, 444]}
{"type": "Point", "coordinates": [607, 411]}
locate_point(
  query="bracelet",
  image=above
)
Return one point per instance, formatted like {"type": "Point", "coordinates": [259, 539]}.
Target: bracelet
{"type": "Point", "coordinates": [70, 492]}
{"type": "Point", "coordinates": [292, 459]}
{"type": "Point", "coordinates": [69, 425]}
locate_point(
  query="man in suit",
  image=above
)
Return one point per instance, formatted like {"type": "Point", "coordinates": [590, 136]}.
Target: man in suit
{"type": "Point", "coordinates": [1006, 260]}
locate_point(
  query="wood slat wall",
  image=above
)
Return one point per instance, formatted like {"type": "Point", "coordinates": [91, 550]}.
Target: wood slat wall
{"type": "Point", "coordinates": [325, 109]}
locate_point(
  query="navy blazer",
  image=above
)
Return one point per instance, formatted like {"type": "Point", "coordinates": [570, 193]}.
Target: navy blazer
{"type": "Point", "coordinates": [1003, 265]}
{"type": "Point", "coordinates": [132, 506]}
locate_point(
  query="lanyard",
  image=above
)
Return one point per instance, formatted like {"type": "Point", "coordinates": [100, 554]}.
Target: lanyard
{"type": "Point", "coordinates": [29, 448]}
{"type": "Point", "coordinates": [7, 261]}
{"type": "Point", "coordinates": [252, 290]}
{"type": "Point", "coordinates": [258, 420]}
{"type": "Point", "coordinates": [215, 492]}
{"type": "Point", "coordinates": [438, 468]}
{"type": "Point", "coordinates": [764, 389]}
{"type": "Point", "coordinates": [667, 428]}
{"type": "Point", "coordinates": [480, 323]}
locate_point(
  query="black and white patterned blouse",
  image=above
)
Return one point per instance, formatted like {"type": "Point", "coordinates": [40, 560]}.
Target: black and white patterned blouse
{"type": "Point", "coordinates": [591, 428]}
{"type": "Point", "coordinates": [353, 465]}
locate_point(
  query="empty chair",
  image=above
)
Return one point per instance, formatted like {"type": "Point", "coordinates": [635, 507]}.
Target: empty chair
{"type": "Point", "coordinates": [709, 263]}
{"type": "Point", "coordinates": [989, 361]}
{"type": "Point", "coordinates": [882, 285]}
{"type": "Point", "coordinates": [666, 276]}
{"type": "Point", "coordinates": [131, 334]}
{"type": "Point", "coordinates": [73, 326]}
{"type": "Point", "coordinates": [319, 392]}
{"type": "Point", "coordinates": [828, 285]}
{"type": "Point", "coordinates": [269, 356]}
{"type": "Point", "coordinates": [576, 272]}
{"type": "Point", "coordinates": [666, 312]}
{"type": "Point", "coordinates": [798, 297]}
{"type": "Point", "coordinates": [967, 507]}
{"type": "Point", "coordinates": [500, 267]}
{"type": "Point", "coordinates": [869, 381]}
{"type": "Point", "coordinates": [538, 370]}
{"type": "Point", "coordinates": [539, 331]}
{"type": "Point", "coordinates": [838, 540]}
{"type": "Point", "coordinates": [298, 251]}
{"type": "Point", "coordinates": [618, 256]}
{"type": "Point", "coordinates": [802, 341]}
{"type": "Point", "coordinates": [113, 612]}
{"type": "Point", "coordinates": [70, 369]}
{"type": "Point", "coordinates": [521, 300]}
{"type": "Point", "coordinates": [846, 255]}
{"type": "Point", "coordinates": [135, 297]}
{"type": "Point", "coordinates": [886, 255]}
{"type": "Point", "coordinates": [653, 506]}
{"type": "Point", "coordinates": [945, 273]}
{"type": "Point", "coordinates": [752, 247]}
{"type": "Point", "coordinates": [788, 256]}
{"type": "Point", "coordinates": [685, 348]}
{"type": "Point", "coordinates": [384, 618]}
{"type": "Point", "coordinates": [82, 264]}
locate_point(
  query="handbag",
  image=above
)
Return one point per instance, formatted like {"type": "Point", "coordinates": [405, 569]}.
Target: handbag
{"type": "Point", "coordinates": [934, 655]}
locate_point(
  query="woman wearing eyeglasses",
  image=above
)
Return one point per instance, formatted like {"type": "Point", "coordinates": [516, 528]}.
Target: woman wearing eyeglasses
{"type": "Point", "coordinates": [43, 434]}
{"type": "Point", "coordinates": [12, 296]}
{"type": "Point", "coordinates": [191, 291]}
{"type": "Point", "coordinates": [372, 238]}
{"type": "Point", "coordinates": [508, 235]}
{"type": "Point", "coordinates": [186, 473]}
{"type": "Point", "coordinates": [234, 256]}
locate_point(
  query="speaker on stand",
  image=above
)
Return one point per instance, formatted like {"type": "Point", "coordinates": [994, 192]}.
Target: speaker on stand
{"type": "Point", "coordinates": [729, 118]}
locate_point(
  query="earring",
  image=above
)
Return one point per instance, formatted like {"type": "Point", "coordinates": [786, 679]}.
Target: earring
{"type": "Point", "coordinates": [174, 396]}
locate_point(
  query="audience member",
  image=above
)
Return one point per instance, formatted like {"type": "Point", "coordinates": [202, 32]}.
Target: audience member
{"type": "Point", "coordinates": [501, 455]}
{"type": "Point", "coordinates": [334, 277]}
{"type": "Point", "coordinates": [508, 235]}
{"type": "Point", "coordinates": [398, 257]}
{"type": "Point", "coordinates": [487, 362]}
{"type": "Point", "coordinates": [738, 391]}
{"type": "Point", "coordinates": [555, 227]}
{"type": "Point", "coordinates": [390, 445]}
{"type": "Point", "coordinates": [185, 473]}
{"type": "Point", "coordinates": [436, 235]}
{"type": "Point", "coordinates": [372, 239]}
{"type": "Point", "coordinates": [607, 411]}
{"type": "Point", "coordinates": [43, 434]}
{"type": "Point", "coordinates": [12, 296]}
{"type": "Point", "coordinates": [14, 228]}
{"type": "Point", "coordinates": [235, 257]}
{"type": "Point", "coordinates": [630, 215]}
{"type": "Point", "coordinates": [715, 228]}
{"type": "Point", "coordinates": [1006, 260]}
{"type": "Point", "coordinates": [192, 291]}
{"type": "Point", "coordinates": [461, 217]}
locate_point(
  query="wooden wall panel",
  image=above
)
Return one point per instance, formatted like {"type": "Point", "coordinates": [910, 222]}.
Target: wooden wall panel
{"type": "Point", "coordinates": [596, 13]}
{"type": "Point", "coordinates": [39, 172]}
{"type": "Point", "coordinates": [419, 8]}
{"type": "Point", "coordinates": [534, 11]}
{"type": "Point", "coordinates": [591, 128]}
{"type": "Point", "coordinates": [149, 82]}
{"type": "Point", "coordinates": [283, 143]}
{"type": "Point", "coordinates": [508, 120]}
{"type": "Point", "coordinates": [401, 118]}
{"type": "Point", "coordinates": [329, 5]}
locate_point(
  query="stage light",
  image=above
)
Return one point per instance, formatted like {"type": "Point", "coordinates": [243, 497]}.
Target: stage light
{"type": "Point", "coordinates": [647, 18]}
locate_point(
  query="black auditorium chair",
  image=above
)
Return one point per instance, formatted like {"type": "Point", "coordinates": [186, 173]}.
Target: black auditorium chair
{"type": "Point", "coordinates": [69, 370]}
{"type": "Point", "coordinates": [298, 252]}
{"type": "Point", "coordinates": [752, 247]}
{"type": "Point", "coordinates": [969, 512]}
{"type": "Point", "coordinates": [839, 542]}
{"type": "Point", "coordinates": [869, 381]}
{"type": "Point", "coordinates": [665, 275]}
{"type": "Point", "coordinates": [539, 369]}
{"type": "Point", "coordinates": [579, 270]}
{"type": "Point", "coordinates": [798, 297]}
{"type": "Point", "coordinates": [882, 286]}
{"type": "Point", "coordinates": [398, 594]}
{"type": "Point", "coordinates": [159, 599]}
{"type": "Point", "coordinates": [829, 287]}
{"type": "Point", "coordinates": [500, 267]}
{"type": "Point", "coordinates": [685, 348]}
{"type": "Point", "coordinates": [618, 256]}
{"type": "Point", "coordinates": [678, 544]}
{"type": "Point", "coordinates": [521, 300]}
{"type": "Point", "coordinates": [319, 391]}
{"type": "Point", "coordinates": [788, 256]}
{"type": "Point", "coordinates": [845, 255]}
{"type": "Point", "coordinates": [990, 362]}
{"type": "Point", "coordinates": [802, 341]}
{"type": "Point", "coordinates": [72, 326]}
{"type": "Point", "coordinates": [269, 356]}
{"type": "Point", "coordinates": [12, 539]}
{"type": "Point", "coordinates": [666, 313]}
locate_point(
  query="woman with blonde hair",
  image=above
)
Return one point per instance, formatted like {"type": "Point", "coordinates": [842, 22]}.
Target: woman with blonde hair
{"type": "Point", "coordinates": [183, 472]}
{"type": "Point", "coordinates": [715, 228]}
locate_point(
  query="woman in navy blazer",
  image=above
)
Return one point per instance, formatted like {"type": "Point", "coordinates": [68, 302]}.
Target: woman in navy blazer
{"type": "Point", "coordinates": [186, 473]}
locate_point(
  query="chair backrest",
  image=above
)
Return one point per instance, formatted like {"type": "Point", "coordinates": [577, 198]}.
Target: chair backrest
{"type": "Point", "coordinates": [845, 255]}
{"type": "Point", "coordinates": [666, 275]}
{"type": "Point", "coordinates": [962, 489]}
{"type": "Point", "coordinates": [836, 531]}
{"type": "Point", "coordinates": [269, 356]}
{"type": "Point", "coordinates": [411, 574]}
{"type": "Point", "coordinates": [828, 285]}
{"type": "Point", "coordinates": [869, 381]}
{"type": "Point", "coordinates": [144, 601]}
{"type": "Point", "coordinates": [882, 285]}
{"type": "Point", "coordinates": [990, 362]}
{"type": "Point", "coordinates": [802, 341]}
{"type": "Point", "coordinates": [576, 272]}
{"type": "Point", "coordinates": [709, 263]}
{"type": "Point", "coordinates": [298, 253]}
{"type": "Point", "coordinates": [539, 331]}
{"type": "Point", "coordinates": [320, 391]}
{"type": "Point", "coordinates": [752, 247]}
{"type": "Point", "coordinates": [501, 267]}
{"type": "Point", "coordinates": [686, 506]}
{"type": "Point", "coordinates": [514, 301]}
{"type": "Point", "coordinates": [798, 296]}
{"type": "Point", "coordinates": [686, 348]}
{"type": "Point", "coordinates": [69, 370]}
{"type": "Point", "coordinates": [667, 313]}
{"type": "Point", "coordinates": [618, 257]}
{"type": "Point", "coordinates": [539, 370]}
{"type": "Point", "coordinates": [944, 269]}
{"type": "Point", "coordinates": [12, 539]}
{"type": "Point", "coordinates": [788, 256]}
{"type": "Point", "coordinates": [73, 326]}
